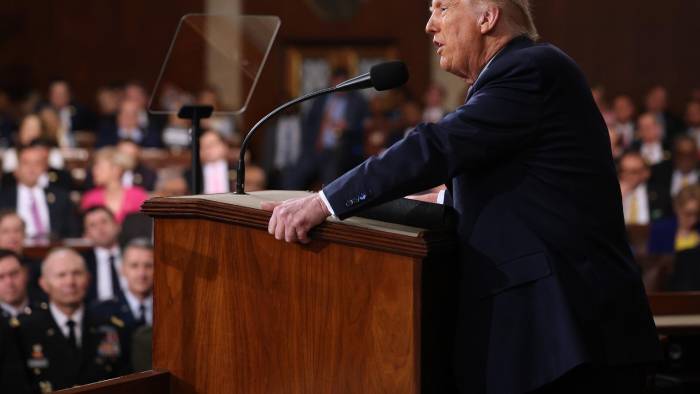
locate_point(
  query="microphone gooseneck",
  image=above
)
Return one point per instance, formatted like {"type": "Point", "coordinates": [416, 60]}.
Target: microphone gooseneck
{"type": "Point", "coordinates": [383, 76]}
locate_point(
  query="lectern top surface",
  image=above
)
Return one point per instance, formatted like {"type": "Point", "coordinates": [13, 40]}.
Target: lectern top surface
{"type": "Point", "coordinates": [254, 199]}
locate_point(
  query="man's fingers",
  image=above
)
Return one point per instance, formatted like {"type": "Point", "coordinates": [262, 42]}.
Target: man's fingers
{"type": "Point", "coordinates": [269, 205]}
{"type": "Point", "coordinates": [272, 224]}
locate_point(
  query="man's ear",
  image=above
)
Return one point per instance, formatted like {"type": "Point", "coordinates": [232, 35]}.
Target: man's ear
{"type": "Point", "coordinates": [490, 15]}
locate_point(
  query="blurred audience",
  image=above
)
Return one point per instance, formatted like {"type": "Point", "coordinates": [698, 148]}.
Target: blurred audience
{"type": "Point", "coordinates": [139, 175]}
{"type": "Point", "coordinates": [624, 114]}
{"type": "Point", "coordinates": [678, 233]}
{"type": "Point", "coordinates": [217, 176]}
{"type": "Point", "coordinates": [47, 210]}
{"type": "Point", "coordinates": [32, 128]}
{"type": "Point", "coordinates": [12, 230]}
{"type": "Point", "coordinates": [434, 100]}
{"type": "Point", "coordinates": [14, 280]}
{"type": "Point", "coordinates": [74, 117]}
{"type": "Point", "coordinates": [107, 172]}
{"type": "Point", "coordinates": [639, 206]}
{"type": "Point", "coordinates": [223, 124]}
{"type": "Point", "coordinates": [129, 125]}
{"type": "Point", "coordinates": [656, 104]}
{"type": "Point", "coordinates": [333, 137]}
{"type": "Point", "coordinates": [692, 119]}
{"type": "Point", "coordinates": [650, 144]}
{"type": "Point", "coordinates": [104, 259]}
{"type": "Point", "coordinates": [283, 147]}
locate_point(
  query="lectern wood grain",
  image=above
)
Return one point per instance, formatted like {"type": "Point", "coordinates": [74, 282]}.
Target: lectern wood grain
{"type": "Point", "coordinates": [237, 311]}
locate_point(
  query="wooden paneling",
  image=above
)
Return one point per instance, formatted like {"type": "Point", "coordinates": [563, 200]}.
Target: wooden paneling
{"type": "Point", "coordinates": [249, 314]}
{"type": "Point", "coordinates": [628, 45]}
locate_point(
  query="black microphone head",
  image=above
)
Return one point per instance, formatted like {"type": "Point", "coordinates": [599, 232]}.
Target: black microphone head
{"type": "Point", "coordinates": [388, 75]}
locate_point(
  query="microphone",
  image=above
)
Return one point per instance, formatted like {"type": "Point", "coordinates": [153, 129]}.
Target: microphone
{"type": "Point", "coordinates": [383, 76]}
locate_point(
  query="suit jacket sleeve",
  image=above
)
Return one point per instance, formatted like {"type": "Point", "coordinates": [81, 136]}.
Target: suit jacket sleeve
{"type": "Point", "coordinates": [497, 120]}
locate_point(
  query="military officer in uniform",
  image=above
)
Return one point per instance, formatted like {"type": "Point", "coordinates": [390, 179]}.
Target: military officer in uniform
{"type": "Point", "coordinates": [14, 278]}
{"type": "Point", "coordinates": [62, 343]}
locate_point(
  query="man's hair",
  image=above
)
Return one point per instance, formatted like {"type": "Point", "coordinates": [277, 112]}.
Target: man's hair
{"type": "Point", "coordinates": [4, 213]}
{"type": "Point", "coordinates": [5, 253]}
{"type": "Point", "coordinates": [99, 208]}
{"type": "Point", "coordinates": [518, 14]}
{"type": "Point", "coordinates": [139, 243]}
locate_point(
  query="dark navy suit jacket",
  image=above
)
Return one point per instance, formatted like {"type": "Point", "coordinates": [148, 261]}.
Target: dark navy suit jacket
{"type": "Point", "coordinates": [547, 280]}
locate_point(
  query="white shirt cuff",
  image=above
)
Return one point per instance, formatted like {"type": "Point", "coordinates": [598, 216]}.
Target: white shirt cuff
{"type": "Point", "coordinates": [441, 197]}
{"type": "Point", "coordinates": [325, 201]}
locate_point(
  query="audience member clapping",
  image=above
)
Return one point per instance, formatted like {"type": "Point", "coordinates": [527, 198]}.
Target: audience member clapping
{"type": "Point", "coordinates": [107, 172]}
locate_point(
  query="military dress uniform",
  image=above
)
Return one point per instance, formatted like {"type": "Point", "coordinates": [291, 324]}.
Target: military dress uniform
{"type": "Point", "coordinates": [55, 362]}
{"type": "Point", "coordinates": [13, 378]}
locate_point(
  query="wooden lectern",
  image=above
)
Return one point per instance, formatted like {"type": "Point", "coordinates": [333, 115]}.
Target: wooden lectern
{"type": "Point", "coordinates": [367, 307]}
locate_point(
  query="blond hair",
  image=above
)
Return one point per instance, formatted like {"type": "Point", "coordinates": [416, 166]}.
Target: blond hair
{"type": "Point", "coordinates": [518, 14]}
{"type": "Point", "coordinates": [115, 157]}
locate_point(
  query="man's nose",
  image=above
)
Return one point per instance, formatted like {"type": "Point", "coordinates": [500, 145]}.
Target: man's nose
{"type": "Point", "coordinates": [431, 27]}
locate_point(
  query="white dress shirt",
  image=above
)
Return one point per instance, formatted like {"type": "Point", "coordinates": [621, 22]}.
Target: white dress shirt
{"type": "Point", "coordinates": [679, 179]}
{"type": "Point", "coordinates": [24, 208]}
{"type": "Point", "coordinates": [642, 200]}
{"type": "Point", "coordinates": [61, 319]}
{"type": "Point", "coordinates": [135, 306]}
{"type": "Point", "coordinates": [66, 116]}
{"type": "Point", "coordinates": [652, 153]}
{"type": "Point", "coordinates": [216, 177]}
{"type": "Point", "coordinates": [105, 291]}
{"type": "Point", "coordinates": [11, 310]}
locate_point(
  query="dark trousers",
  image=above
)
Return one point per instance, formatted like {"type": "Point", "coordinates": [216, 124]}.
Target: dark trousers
{"type": "Point", "coordinates": [593, 379]}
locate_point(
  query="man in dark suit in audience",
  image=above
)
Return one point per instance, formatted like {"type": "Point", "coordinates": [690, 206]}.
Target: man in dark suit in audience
{"type": "Point", "coordinates": [74, 117]}
{"type": "Point", "coordinates": [13, 378]}
{"type": "Point", "coordinates": [63, 343]}
{"type": "Point", "coordinates": [52, 177]}
{"type": "Point", "coordinates": [656, 104]}
{"type": "Point", "coordinates": [12, 236]}
{"type": "Point", "coordinates": [14, 283]}
{"type": "Point", "coordinates": [129, 127]}
{"type": "Point", "coordinates": [47, 211]}
{"type": "Point", "coordinates": [104, 260]}
{"type": "Point", "coordinates": [140, 175]}
{"type": "Point", "coordinates": [217, 175]}
{"type": "Point", "coordinates": [332, 140]}
{"type": "Point", "coordinates": [670, 176]}
{"type": "Point", "coordinates": [642, 202]}
{"type": "Point", "coordinates": [550, 298]}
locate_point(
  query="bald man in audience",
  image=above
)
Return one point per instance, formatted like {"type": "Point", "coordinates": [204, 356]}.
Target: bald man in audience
{"type": "Point", "coordinates": [63, 344]}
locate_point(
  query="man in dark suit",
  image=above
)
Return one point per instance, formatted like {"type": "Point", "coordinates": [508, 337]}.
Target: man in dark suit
{"type": "Point", "coordinates": [551, 300]}
{"type": "Point", "coordinates": [47, 210]}
{"type": "Point", "coordinates": [670, 176]}
{"type": "Point", "coordinates": [128, 127]}
{"type": "Point", "coordinates": [52, 177]}
{"type": "Point", "coordinates": [13, 377]}
{"type": "Point", "coordinates": [332, 141]}
{"type": "Point", "coordinates": [14, 282]}
{"type": "Point", "coordinates": [62, 343]}
{"type": "Point", "coordinates": [104, 260]}
{"type": "Point", "coordinates": [74, 117]}
{"type": "Point", "coordinates": [217, 175]}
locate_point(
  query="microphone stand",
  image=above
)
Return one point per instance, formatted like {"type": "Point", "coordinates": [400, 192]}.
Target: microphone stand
{"type": "Point", "coordinates": [196, 113]}
{"type": "Point", "coordinates": [240, 171]}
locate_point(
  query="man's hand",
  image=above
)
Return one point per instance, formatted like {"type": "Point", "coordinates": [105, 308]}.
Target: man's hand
{"type": "Point", "coordinates": [293, 219]}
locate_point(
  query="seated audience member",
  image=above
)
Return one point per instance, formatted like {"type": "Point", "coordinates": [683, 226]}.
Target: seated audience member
{"type": "Point", "coordinates": [31, 129]}
{"type": "Point", "coordinates": [692, 119]}
{"type": "Point", "coordinates": [12, 230]}
{"type": "Point", "coordinates": [135, 306]}
{"type": "Point", "coordinates": [46, 210]}
{"type": "Point", "coordinates": [222, 124]}
{"type": "Point", "coordinates": [108, 99]}
{"type": "Point", "coordinates": [139, 175]}
{"type": "Point", "coordinates": [52, 177]}
{"type": "Point", "coordinates": [134, 91]}
{"type": "Point", "coordinates": [682, 170]}
{"type": "Point", "coordinates": [639, 206]}
{"type": "Point", "coordinates": [678, 233]}
{"type": "Point", "coordinates": [107, 172]}
{"type": "Point", "coordinates": [217, 175]}
{"type": "Point", "coordinates": [128, 126]}
{"type": "Point", "coordinates": [434, 103]}
{"type": "Point", "coordinates": [74, 117]}
{"type": "Point", "coordinates": [63, 343]}
{"type": "Point", "coordinates": [104, 260]}
{"type": "Point", "coordinates": [176, 134]}
{"type": "Point", "coordinates": [332, 142]}
{"type": "Point", "coordinates": [650, 144]}
{"type": "Point", "coordinates": [657, 105]}
{"type": "Point", "coordinates": [624, 113]}
{"type": "Point", "coordinates": [14, 283]}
